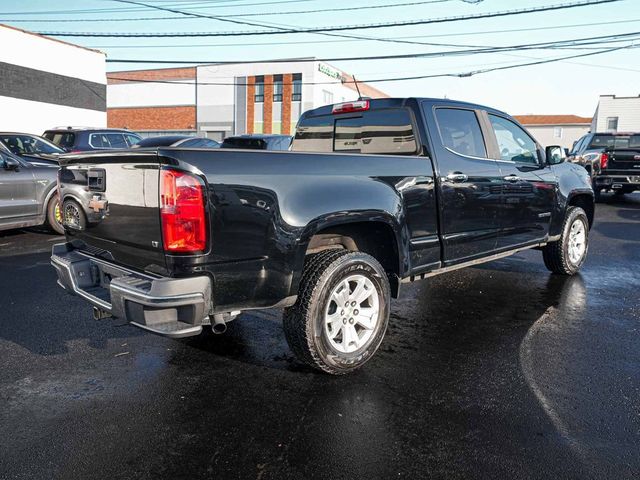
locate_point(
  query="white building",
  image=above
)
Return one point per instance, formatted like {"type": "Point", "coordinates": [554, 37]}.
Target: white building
{"type": "Point", "coordinates": [45, 83]}
{"type": "Point", "coordinates": [561, 130]}
{"type": "Point", "coordinates": [617, 114]}
{"type": "Point", "coordinates": [226, 99]}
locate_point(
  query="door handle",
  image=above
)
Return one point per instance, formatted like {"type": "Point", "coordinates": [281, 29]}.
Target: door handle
{"type": "Point", "coordinates": [457, 177]}
{"type": "Point", "coordinates": [512, 178]}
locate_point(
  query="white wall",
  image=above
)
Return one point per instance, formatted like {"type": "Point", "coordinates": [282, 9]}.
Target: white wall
{"type": "Point", "coordinates": [627, 109]}
{"type": "Point", "coordinates": [544, 134]}
{"type": "Point", "coordinates": [147, 94]}
{"type": "Point", "coordinates": [36, 117]}
{"type": "Point", "coordinates": [41, 53]}
{"type": "Point", "coordinates": [51, 56]}
{"type": "Point", "coordinates": [340, 92]}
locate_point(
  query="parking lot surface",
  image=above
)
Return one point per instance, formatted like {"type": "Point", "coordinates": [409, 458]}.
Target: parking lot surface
{"type": "Point", "coordinates": [498, 371]}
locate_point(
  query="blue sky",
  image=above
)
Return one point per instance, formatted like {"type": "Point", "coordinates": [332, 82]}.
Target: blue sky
{"type": "Point", "coordinates": [570, 87]}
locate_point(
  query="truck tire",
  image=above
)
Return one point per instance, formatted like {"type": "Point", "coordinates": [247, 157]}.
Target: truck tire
{"type": "Point", "coordinates": [567, 255]}
{"type": "Point", "coordinates": [54, 215]}
{"type": "Point", "coordinates": [73, 215]}
{"type": "Point", "coordinates": [342, 311]}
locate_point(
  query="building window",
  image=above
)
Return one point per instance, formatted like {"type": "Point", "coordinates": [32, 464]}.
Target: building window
{"type": "Point", "coordinates": [327, 97]}
{"type": "Point", "coordinates": [277, 88]}
{"type": "Point", "coordinates": [259, 86]}
{"type": "Point", "coordinates": [296, 96]}
{"type": "Point", "coordinates": [557, 132]}
{"type": "Point", "coordinates": [612, 124]}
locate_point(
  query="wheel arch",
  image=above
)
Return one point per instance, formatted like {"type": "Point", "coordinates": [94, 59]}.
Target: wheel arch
{"type": "Point", "coordinates": [375, 232]}
{"type": "Point", "coordinates": [584, 200]}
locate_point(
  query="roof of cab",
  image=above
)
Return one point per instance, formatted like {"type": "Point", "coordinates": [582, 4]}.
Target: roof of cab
{"type": "Point", "coordinates": [399, 102]}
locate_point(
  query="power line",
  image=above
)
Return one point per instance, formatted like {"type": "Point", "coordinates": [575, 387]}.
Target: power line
{"type": "Point", "coordinates": [258, 14]}
{"type": "Point", "coordinates": [405, 23]}
{"type": "Point", "coordinates": [198, 6]}
{"type": "Point", "coordinates": [306, 42]}
{"type": "Point", "coordinates": [398, 79]}
{"type": "Point", "coordinates": [472, 51]}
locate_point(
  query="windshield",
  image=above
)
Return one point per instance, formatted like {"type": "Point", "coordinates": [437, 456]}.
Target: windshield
{"type": "Point", "coordinates": [26, 144]}
{"type": "Point", "coordinates": [64, 140]}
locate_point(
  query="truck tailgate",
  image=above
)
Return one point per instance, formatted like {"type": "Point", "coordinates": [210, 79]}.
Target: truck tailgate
{"type": "Point", "coordinates": [111, 207]}
{"type": "Point", "coordinates": [625, 159]}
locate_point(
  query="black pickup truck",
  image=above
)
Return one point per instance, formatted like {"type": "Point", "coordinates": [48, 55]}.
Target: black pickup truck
{"type": "Point", "coordinates": [612, 160]}
{"type": "Point", "coordinates": [374, 193]}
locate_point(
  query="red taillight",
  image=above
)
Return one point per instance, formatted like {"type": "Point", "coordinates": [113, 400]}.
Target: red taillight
{"type": "Point", "coordinates": [347, 107]}
{"type": "Point", "coordinates": [182, 212]}
{"type": "Point", "coordinates": [604, 160]}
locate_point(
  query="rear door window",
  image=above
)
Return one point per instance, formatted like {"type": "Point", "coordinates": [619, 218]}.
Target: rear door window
{"type": "Point", "coordinates": [460, 131]}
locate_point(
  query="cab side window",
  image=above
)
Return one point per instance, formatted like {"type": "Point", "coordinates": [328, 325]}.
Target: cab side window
{"type": "Point", "coordinates": [460, 131]}
{"type": "Point", "coordinates": [513, 142]}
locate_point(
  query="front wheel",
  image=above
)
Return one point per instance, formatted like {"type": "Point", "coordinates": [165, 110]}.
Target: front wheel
{"type": "Point", "coordinates": [568, 254]}
{"type": "Point", "coordinates": [54, 215]}
{"type": "Point", "coordinates": [342, 311]}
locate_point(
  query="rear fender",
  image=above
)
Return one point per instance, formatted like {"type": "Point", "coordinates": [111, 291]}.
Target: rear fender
{"type": "Point", "coordinates": [336, 219]}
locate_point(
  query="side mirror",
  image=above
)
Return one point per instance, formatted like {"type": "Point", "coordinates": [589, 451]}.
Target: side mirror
{"type": "Point", "coordinates": [9, 163]}
{"type": "Point", "coordinates": [555, 154]}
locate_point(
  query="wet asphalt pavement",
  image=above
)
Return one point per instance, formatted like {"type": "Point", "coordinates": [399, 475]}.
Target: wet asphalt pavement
{"type": "Point", "coordinates": [499, 371]}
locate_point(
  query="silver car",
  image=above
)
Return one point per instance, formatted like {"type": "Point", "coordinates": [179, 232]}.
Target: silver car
{"type": "Point", "coordinates": [28, 194]}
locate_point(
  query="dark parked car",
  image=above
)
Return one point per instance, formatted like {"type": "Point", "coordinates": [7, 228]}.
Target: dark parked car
{"type": "Point", "coordinates": [188, 238]}
{"type": "Point", "coordinates": [28, 194]}
{"type": "Point", "coordinates": [258, 142]}
{"type": "Point", "coordinates": [32, 148]}
{"type": "Point", "coordinates": [612, 160]}
{"type": "Point", "coordinates": [80, 139]}
{"type": "Point", "coordinates": [177, 141]}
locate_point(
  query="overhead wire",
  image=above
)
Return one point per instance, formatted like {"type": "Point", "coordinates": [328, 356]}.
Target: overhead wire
{"type": "Point", "coordinates": [396, 79]}
{"type": "Point", "coordinates": [280, 31]}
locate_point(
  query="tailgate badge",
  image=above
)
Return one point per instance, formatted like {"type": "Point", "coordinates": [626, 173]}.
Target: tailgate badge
{"type": "Point", "coordinates": [97, 204]}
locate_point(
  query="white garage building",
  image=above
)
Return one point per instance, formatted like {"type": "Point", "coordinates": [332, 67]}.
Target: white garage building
{"type": "Point", "coordinates": [46, 83]}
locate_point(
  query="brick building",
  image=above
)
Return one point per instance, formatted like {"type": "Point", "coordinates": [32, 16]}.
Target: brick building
{"type": "Point", "coordinates": [225, 99]}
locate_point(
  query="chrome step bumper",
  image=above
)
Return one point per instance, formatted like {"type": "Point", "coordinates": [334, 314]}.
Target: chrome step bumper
{"type": "Point", "coordinates": [173, 307]}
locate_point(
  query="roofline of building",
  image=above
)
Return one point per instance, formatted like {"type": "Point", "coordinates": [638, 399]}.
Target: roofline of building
{"type": "Point", "coordinates": [350, 85]}
{"type": "Point", "coordinates": [11, 27]}
{"type": "Point", "coordinates": [614, 96]}
{"type": "Point", "coordinates": [582, 124]}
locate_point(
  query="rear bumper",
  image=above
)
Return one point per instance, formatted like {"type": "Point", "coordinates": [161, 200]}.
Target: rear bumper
{"type": "Point", "coordinates": [617, 182]}
{"type": "Point", "coordinates": [173, 307]}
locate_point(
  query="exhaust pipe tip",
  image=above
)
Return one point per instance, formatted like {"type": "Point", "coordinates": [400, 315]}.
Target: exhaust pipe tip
{"type": "Point", "coordinates": [219, 328]}
{"type": "Point", "coordinates": [218, 324]}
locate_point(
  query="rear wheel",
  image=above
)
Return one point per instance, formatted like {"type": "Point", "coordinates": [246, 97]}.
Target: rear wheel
{"type": "Point", "coordinates": [567, 255]}
{"type": "Point", "coordinates": [342, 311]}
{"type": "Point", "coordinates": [54, 215]}
{"type": "Point", "coordinates": [73, 215]}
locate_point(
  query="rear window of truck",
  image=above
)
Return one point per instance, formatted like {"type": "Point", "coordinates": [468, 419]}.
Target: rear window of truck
{"type": "Point", "coordinates": [383, 131]}
{"type": "Point", "coordinates": [615, 141]}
